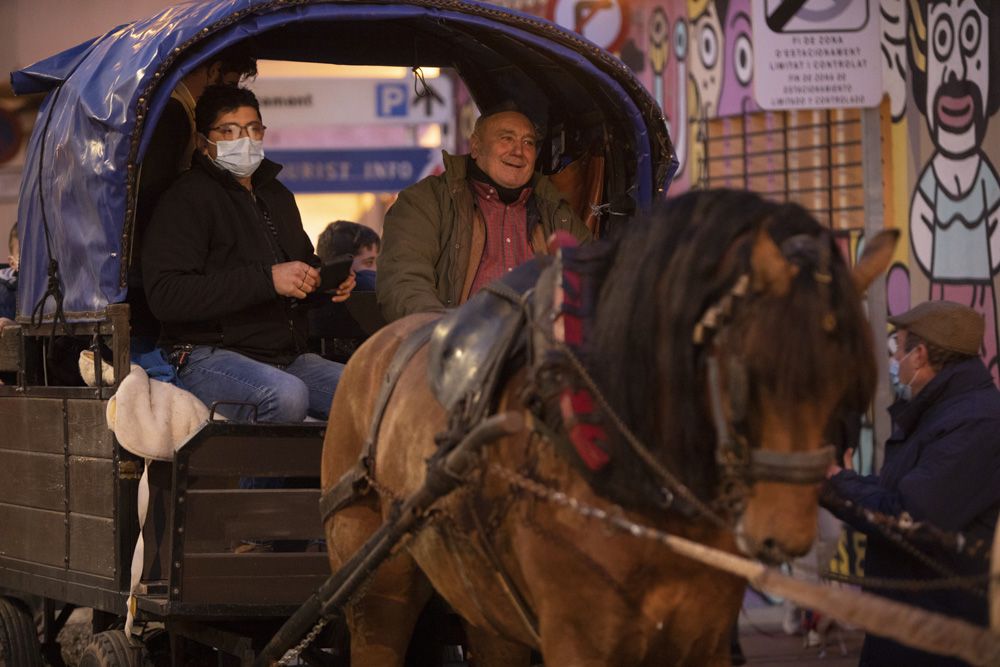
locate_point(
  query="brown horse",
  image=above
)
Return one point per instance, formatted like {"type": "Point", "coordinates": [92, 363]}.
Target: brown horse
{"type": "Point", "coordinates": [726, 330]}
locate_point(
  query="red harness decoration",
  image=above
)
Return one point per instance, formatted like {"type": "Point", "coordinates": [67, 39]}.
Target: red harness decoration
{"type": "Point", "coordinates": [572, 310]}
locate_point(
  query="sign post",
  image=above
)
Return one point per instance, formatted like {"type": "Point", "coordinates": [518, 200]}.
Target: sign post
{"type": "Point", "coordinates": [816, 54]}
{"type": "Point", "coordinates": [354, 170]}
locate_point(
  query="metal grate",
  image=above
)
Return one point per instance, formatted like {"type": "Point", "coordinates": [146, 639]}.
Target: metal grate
{"type": "Point", "coordinates": [809, 157]}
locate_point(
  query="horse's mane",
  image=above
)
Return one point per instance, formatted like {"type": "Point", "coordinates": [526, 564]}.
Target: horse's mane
{"type": "Point", "coordinates": [662, 274]}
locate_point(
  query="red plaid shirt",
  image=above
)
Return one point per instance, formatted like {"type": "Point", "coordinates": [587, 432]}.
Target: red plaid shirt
{"type": "Point", "coordinates": [507, 243]}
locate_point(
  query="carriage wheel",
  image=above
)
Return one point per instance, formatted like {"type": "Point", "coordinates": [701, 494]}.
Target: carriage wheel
{"type": "Point", "coordinates": [112, 648]}
{"type": "Point", "coordinates": [18, 635]}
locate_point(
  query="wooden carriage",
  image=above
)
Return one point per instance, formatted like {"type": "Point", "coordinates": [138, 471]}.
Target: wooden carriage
{"type": "Point", "coordinates": [69, 514]}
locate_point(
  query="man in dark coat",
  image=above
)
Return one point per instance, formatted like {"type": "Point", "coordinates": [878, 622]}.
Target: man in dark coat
{"type": "Point", "coordinates": [942, 467]}
{"type": "Point", "coordinates": [169, 154]}
{"type": "Point", "coordinates": [228, 266]}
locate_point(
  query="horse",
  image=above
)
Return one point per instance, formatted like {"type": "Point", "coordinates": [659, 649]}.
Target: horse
{"type": "Point", "coordinates": [722, 333]}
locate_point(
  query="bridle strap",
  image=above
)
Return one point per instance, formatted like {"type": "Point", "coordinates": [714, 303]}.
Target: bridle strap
{"type": "Point", "coordinates": [737, 460]}
{"type": "Point", "coordinates": [791, 467]}
{"type": "Point", "coordinates": [729, 452]}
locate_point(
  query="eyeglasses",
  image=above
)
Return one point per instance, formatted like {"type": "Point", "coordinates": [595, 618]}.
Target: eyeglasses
{"type": "Point", "coordinates": [232, 131]}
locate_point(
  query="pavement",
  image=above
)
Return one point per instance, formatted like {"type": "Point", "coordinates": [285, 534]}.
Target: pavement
{"type": "Point", "coordinates": [765, 643]}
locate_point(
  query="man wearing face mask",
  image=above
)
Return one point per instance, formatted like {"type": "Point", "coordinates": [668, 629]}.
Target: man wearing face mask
{"type": "Point", "coordinates": [169, 154]}
{"type": "Point", "coordinates": [228, 265]}
{"type": "Point", "coordinates": [942, 467]}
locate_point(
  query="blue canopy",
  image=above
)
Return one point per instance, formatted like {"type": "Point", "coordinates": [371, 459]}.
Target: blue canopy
{"type": "Point", "coordinates": [83, 160]}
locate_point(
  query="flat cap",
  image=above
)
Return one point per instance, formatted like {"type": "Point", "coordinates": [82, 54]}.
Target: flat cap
{"type": "Point", "coordinates": [949, 325]}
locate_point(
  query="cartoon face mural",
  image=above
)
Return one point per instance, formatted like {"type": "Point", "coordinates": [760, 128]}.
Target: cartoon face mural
{"type": "Point", "coordinates": [958, 76]}
{"type": "Point", "coordinates": [667, 56]}
{"type": "Point", "coordinates": [706, 53]}
{"type": "Point", "coordinates": [955, 210]}
{"type": "Point", "coordinates": [737, 83]}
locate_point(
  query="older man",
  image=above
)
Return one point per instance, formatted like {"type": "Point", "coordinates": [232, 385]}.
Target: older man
{"type": "Point", "coordinates": [449, 235]}
{"type": "Point", "coordinates": [942, 466]}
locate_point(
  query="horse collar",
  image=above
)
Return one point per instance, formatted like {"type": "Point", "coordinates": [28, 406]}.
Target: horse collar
{"type": "Point", "coordinates": [569, 410]}
{"type": "Point", "coordinates": [573, 305]}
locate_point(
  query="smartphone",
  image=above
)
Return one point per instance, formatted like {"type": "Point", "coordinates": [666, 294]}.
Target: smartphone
{"type": "Point", "coordinates": [333, 274]}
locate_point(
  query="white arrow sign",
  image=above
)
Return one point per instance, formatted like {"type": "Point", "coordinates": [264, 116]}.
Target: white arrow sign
{"type": "Point", "coordinates": [286, 103]}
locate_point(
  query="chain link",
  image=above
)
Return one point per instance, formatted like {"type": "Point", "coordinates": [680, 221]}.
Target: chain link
{"type": "Point", "coordinates": [674, 485]}
{"type": "Point", "coordinates": [906, 527]}
{"type": "Point", "coordinates": [972, 583]}
{"type": "Point", "coordinates": [619, 522]}
{"type": "Point", "coordinates": [293, 653]}
{"type": "Point", "coordinates": [899, 533]}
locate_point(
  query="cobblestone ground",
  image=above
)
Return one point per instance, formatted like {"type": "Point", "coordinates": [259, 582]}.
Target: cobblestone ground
{"type": "Point", "coordinates": [764, 642]}
{"type": "Point", "coordinates": [75, 636]}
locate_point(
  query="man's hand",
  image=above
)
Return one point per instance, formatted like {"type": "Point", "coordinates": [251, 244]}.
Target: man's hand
{"type": "Point", "coordinates": [848, 463]}
{"type": "Point", "coordinates": [295, 279]}
{"type": "Point", "coordinates": [344, 290]}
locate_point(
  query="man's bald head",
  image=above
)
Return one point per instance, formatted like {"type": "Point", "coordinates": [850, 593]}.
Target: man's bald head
{"type": "Point", "coordinates": [504, 145]}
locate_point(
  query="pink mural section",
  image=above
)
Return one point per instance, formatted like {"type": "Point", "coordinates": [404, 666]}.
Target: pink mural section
{"type": "Point", "coordinates": [954, 71]}
{"type": "Point", "coordinates": [694, 56]}
{"type": "Point", "coordinates": [941, 74]}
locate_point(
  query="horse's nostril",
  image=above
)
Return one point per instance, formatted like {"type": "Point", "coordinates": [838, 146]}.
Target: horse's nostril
{"type": "Point", "coordinates": [770, 552]}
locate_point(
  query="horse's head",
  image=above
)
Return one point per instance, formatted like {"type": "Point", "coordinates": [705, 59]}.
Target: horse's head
{"type": "Point", "coordinates": [758, 334]}
{"type": "Point", "coordinates": [795, 355]}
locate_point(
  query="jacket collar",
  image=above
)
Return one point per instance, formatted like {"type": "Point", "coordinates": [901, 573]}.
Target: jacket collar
{"type": "Point", "coordinates": [952, 380]}
{"type": "Point", "coordinates": [456, 174]}
{"type": "Point", "coordinates": [266, 172]}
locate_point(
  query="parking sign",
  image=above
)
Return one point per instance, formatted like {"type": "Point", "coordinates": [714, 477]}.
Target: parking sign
{"type": "Point", "coordinates": [295, 102]}
{"type": "Point", "coordinates": [391, 100]}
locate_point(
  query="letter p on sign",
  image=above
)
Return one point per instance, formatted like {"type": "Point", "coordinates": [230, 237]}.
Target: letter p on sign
{"type": "Point", "coordinates": [391, 100]}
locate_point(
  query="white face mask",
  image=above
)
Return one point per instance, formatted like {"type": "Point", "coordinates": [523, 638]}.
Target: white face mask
{"type": "Point", "coordinates": [240, 157]}
{"type": "Point", "coordinates": [902, 391]}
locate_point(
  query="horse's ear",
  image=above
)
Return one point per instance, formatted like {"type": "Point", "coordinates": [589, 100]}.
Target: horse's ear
{"type": "Point", "coordinates": [875, 259]}
{"type": "Point", "coordinates": [772, 273]}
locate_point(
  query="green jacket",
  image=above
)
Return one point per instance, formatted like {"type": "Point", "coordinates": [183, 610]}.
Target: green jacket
{"type": "Point", "coordinates": [433, 240]}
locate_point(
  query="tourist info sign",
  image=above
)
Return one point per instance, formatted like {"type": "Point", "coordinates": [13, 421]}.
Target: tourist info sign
{"type": "Point", "coordinates": [816, 54]}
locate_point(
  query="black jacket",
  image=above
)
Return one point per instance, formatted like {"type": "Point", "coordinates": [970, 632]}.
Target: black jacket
{"type": "Point", "coordinates": [942, 466]}
{"type": "Point", "coordinates": [207, 257]}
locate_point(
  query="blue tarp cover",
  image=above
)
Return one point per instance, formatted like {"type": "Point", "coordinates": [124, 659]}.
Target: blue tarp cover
{"type": "Point", "coordinates": [82, 149]}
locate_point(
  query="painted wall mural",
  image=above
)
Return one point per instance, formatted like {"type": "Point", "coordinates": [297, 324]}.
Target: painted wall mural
{"type": "Point", "coordinates": [941, 74]}
{"type": "Point", "coordinates": [955, 203]}
{"type": "Point", "coordinates": [736, 96]}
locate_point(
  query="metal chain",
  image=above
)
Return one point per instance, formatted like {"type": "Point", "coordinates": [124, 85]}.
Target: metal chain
{"type": "Point", "coordinates": [293, 653]}
{"type": "Point", "coordinates": [897, 538]}
{"type": "Point", "coordinates": [973, 584]}
{"type": "Point", "coordinates": [906, 527]}
{"type": "Point", "coordinates": [896, 532]}
{"type": "Point", "coordinates": [674, 485]}
{"type": "Point", "coordinates": [623, 524]}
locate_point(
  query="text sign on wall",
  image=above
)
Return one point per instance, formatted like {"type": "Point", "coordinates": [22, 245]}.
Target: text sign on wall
{"type": "Point", "coordinates": [326, 101]}
{"type": "Point", "coordinates": [371, 170]}
{"type": "Point", "coordinates": [816, 54]}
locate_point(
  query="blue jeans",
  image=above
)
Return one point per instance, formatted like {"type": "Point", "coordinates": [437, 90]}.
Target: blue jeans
{"type": "Point", "coordinates": [281, 393]}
